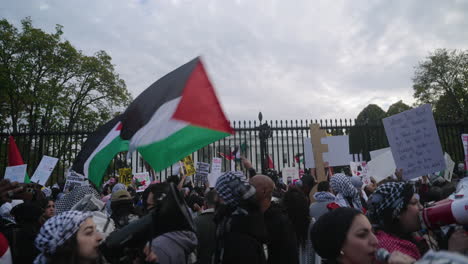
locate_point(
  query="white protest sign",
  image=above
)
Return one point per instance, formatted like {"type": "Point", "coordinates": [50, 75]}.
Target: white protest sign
{"type": "Point", "coordinates": [415, 142]}
{"type": "Point", "coordinates": [375, 153]}
{"type": "Point", "coordinates": [201, 176]}
{"type": "Point", "coordinates": [450, 166]}
{"type": "Point", "coordinates": [216, 165]}
{"type": "Point", "coordinates": [44, 170]}
{"type": "Point", "coordinates": [309, 161]}
{"type": "Point", "coordinates": [16, 173]}
{"type": "Point", "coordinates": [289, 174]}
{"type": "Point", "coordinates": [142, 180]}
{"type": "Point", "coordinates": [382, 166]}
{"type": "Point", "coordinates": [338, 151]}
{"type": "Point", "coordinates": [465, 148]}
{"type": "Point", "coordinates": [74, 179]}
{"type": "Point", "coordinates": [358, 168]}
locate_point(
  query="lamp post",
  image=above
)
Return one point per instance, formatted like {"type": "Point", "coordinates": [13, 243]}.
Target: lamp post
{"type": "Point", "coordinates": [264, 134]}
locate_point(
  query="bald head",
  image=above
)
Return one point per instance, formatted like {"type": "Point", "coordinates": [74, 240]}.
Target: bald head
{"type": "Point", "coordinates": [264, 186]}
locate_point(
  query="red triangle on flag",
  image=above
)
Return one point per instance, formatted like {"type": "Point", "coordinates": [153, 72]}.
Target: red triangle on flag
{"type": "Point", "coordinates": [14, 156]}
{"type": "Point", "coordinates": [199, 104]}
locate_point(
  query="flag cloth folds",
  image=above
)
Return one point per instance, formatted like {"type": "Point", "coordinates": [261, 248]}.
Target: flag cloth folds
{"type": "Point", "coordinates": [14, 157]}
{"type": "Point", "coordinates": [175, 116]}
{"type": "Point", "coordinates": [99, 150]}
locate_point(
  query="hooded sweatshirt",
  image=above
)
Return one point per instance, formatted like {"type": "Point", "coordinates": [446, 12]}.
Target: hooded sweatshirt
{"type": "Point", "coordinates": [174, 247]}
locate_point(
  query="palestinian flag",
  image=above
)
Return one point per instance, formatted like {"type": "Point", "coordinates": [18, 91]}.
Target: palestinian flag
{"type": "Point", "coordinates": [99, 150]}
{"type": "Point", "coordinates": [14, 157]}
{"type": "Point", "coordinates": [175, 116]}
{"type": "Point", "coordinates": [299, 158]}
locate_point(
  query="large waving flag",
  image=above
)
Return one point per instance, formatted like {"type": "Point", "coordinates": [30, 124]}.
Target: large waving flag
{"type": "Point", "coordinates": [175, 116]}
{"type": "Point", "coordinates": [14, 157]}
{"type": "Point", "coordinates": [99, 150]}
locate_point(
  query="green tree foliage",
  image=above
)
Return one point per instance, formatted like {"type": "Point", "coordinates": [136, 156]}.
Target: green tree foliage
{"type": "Point", "coordinates": [371, 114]}
{"type": "Point", "coordinates": [442, 80]}
{"type": "Point", "coordinates": [47, 83]}
{"type": "Point", "coordinates": [397, 107]}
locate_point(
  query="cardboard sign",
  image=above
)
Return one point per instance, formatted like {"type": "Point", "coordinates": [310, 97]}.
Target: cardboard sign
{"type": "Point", "coordinates": [318, 148]}
{"type": "Point", "coordinates": [44, 170]}
{"type": "Point", "coordinates": [216, 165]}
{"type": "Point", "coordinates": [16, 173]}
{"type": "Point", "coordinates": [290, 174]}
{"type": "Point", "coordinates": [142, 180]}
{"type": "Point", "coordinates": [415, 142]}
{"type": "Point", "coordinates": [382, 166]}
{"type": "Point", "coordinates": [74, 179]}
{"type": "Point", "coordinates": [201, 177]}
{"type": "Point", "coordinates": [189, 168]}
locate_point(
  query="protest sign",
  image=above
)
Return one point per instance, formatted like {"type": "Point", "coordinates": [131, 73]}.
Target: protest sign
{"type": "Point", "coordinates": [74, 179]}
{"type": "Point", "coordinates": [216, 164]}
{"type": "Point", "coordinates": [15, 173]}
{"type": "Point", "coordinates": [415, 142]}
{"type": "Point", "coordinates": [450, 164]}
{"type": "Point", "coordinates": [375, 153]}
{"type": "Point", "coordinates": [290, 174]}
{"type": "Point", "coordinates": [125, 176]}
{"type": "Point", "coordinates": [141, 180]}
{"type": "Point", "coordinates": [201, 177]}
{"type": "Point", "coordinates": [309, 161]}
{"type": "Point", "coordinates": [44, 170]}
{"type": "Point", "coordinates": [318, 149]}
{"type": "Point", "coordinates": [338, 151]}
{"type": "Point", "coordinates": [382, 166]}
{"type": "Point", "coordinates": [189, 168]}
{"type": "Point", "coordinates": [465, 149]}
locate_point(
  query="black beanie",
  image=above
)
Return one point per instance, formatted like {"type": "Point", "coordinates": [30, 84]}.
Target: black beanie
{"type": "Point", "coordinates": [328, 234]}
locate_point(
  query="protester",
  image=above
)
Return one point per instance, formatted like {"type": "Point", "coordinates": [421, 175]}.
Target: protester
{"type": "Point", "coordinates": [282, 239]}
{"type": "Point", "coordinates": [322, 197]}
{"type": "Point", "coordinates": [70, 237]}
{"type": "Point", "coordinates": [123, 211]}
{"type": "Point", "coordinates": [346, 193]}
{"type": "Point", "coordinates": [344, 235]}
{"type": "Point", "coordinates": [394, 212]}
{"type": "Point", "coordinates": [206, 229]}
{"type": "Point", "coordinates": [49, 210]}
{"type": "Point", "coordinates": [240, 224]}
{"type": "Point", "coordinates": [297, 207]}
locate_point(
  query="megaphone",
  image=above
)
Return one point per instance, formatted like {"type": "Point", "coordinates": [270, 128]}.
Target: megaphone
{"type": "Point", "coordinates": [170, 214]}
{"type": "Point", "coordinates": [446, 212]}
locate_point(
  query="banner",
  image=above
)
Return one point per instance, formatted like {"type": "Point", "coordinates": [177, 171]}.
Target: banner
{"type": "Point", "coordinates": [216, 165]}
{"type": "Point", "coordinates": [74, 179]}
{"type": "Point", "coordinates": [141, 180]}
{"type": "Point", "coordinates": [415, 142]}
{"type": "Point", "coordinates": [44, 170]}
{"type": "Point", "coordinates": [201, 176]}
{"type": "Point", "coordinates": [16, 173]}
{"type": "Point", "coordinates": [189, 168]}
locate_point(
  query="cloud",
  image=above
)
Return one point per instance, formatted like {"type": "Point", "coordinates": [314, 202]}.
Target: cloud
{"type": "Point", "coordinates": [288, 59]}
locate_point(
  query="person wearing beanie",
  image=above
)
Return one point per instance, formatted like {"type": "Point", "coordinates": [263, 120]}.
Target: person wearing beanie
{"type": "Point", "coordinates": [241, 233]}
{"type": "Point", "coordinates": [70, 237]}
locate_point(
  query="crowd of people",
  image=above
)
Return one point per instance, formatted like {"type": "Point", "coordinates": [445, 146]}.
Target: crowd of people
{"type": "Point", "coordinates": [244, 218]}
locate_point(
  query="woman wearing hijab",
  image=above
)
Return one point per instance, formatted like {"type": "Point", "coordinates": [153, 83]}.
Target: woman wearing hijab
{"type": "Point", "coordinates": [393, 209]}
{"type": "Point", "coordinates": [70, 237]}
{"type": "Point", "coordinates": [345, 236]}
{"type": "Point", "coordinates": [346, 194]}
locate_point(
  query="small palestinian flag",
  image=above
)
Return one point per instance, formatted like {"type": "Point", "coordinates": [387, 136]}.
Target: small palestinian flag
{"type": "Point", "coordinates": [14, 157]}
{"type": "Point", "coordinates": [175, 116]}
{"type": "Point", "coordinates": [99, 150]}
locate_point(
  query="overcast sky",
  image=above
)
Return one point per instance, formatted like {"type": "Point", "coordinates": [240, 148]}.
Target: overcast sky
{"type": "Point", "coordinates": [289, 59]}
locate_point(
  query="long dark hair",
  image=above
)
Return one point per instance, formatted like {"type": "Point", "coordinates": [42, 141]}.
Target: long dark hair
{"type": "Point", "coordinates": [297, 207]}
{"type": "Point", "coordinates": [68, 253]}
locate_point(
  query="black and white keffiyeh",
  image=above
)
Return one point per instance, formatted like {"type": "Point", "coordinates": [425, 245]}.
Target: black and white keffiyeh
{"type": "Point", "coordinates": [56, 231]}
{"type": "Point", "coordinates": [66, 202]}
{"type": "Point", "coordinates": [233, 187]}
{"type": "Point", "coordinates": [342, 185]}
{"type": "Point", "coordinates": [324, 197]}
{"type": "Point", "coordinates": [387, 195]}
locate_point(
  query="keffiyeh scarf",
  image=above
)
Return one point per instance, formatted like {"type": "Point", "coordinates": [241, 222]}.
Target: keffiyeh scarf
{"type": "Point", "coordinates": [56, 231]}
{"type": "Point", "coordinates": [324, 197]}
{"type": "Point", "coordinates": [233, 187]}
{"type": "Point", "coordinates": [341, 184]}
{"type": "Point", "coordinates": [70, 199]}
{"type": "Point", "coordinates": [388, 195]}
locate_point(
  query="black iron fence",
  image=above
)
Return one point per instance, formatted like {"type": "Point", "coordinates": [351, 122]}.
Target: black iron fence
{"type": "Point", "coordinates": [282, 141]}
